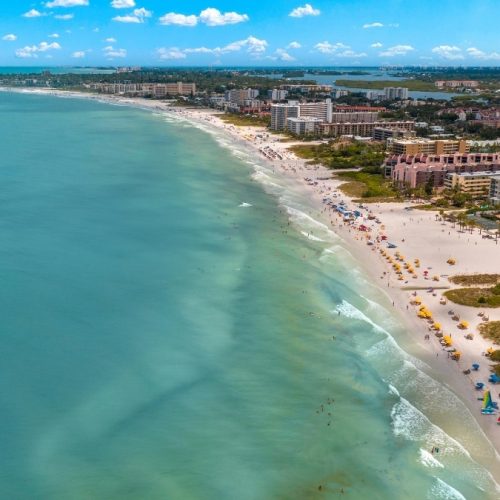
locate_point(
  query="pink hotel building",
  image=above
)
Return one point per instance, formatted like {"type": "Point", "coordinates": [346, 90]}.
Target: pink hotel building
{"type": "Point", "coordinates": [417, 170]}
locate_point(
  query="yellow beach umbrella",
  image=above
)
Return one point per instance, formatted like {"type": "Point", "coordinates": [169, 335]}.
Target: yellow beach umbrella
{"type": "Point", "coordinates": [463, 324]}
{"type": "Point", "coordinates": [436, 326]}
{"type": "Point", "coordinates": [447, 340]}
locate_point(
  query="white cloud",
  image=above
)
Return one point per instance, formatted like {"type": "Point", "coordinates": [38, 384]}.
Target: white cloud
{"type": "Point", "coordinates": [294, 45]}
{"type": "Point", "coordinates": [306, 10]}
{"type": "Point", "coordinates": [210, 17]}
{"type": "Point", "coordinates": [172, 53]}
{"type": "Point", "coordinates": [67, 3]}
{"type": "Point", "coordinates": [33, 13]}
{"type": "Point", "coordinates": [328, 48]}
{"type": "Point", "coordinates": [79, 54]}
{"type": "Point", "coordinates": [214, 17]}
{"type": "Point", "coordinates": [178, 19]}
{"type": "Point", "coordinates": [64, 17]}
{"type": "Point", "coordinates": [199, 50]}
{"type": "Point", "coordinates": [136, 17]}
{"type": "Point", "coordinates": [397, 50]}
{"type": "Point", "coordinates": [110, 40]}
{"type": "Point", "coordinates": [479, 54]}
{"type": "Point", "coordinates": [33, 50]}
{"type": "Point", "coordinates": [123, 4]}
{"type": "Point", "coordinates": [254, 46]}
{"type": "Point", "coordinates": [54, 35]}
{"type": "Point", "coordinates": [350, 53]}
{"type": "Point", "coordinates": [450, 52]}
{"type": "Point", "coordinates": [372, 25]}
{"type": "Point", "coordinates": [283, 55]}
{"type": "Point", "coordinates": [9, 38]}
{"type": "Point", "coordinates": [110, 52]}
{"type": "Point", "coordinates": [376, 45]}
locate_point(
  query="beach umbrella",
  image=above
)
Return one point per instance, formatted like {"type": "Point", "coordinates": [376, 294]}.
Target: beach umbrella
{"type": "Point", "coordinates": [447, 340]}
{"type": "Point", "coordinates": [437, 326]}
{"type": "Point", "coordinates": [418, 300]}
{"type": "Point", "coordinates": [463, 324]}
{"type": "Point", "coordinates": [435, 277]}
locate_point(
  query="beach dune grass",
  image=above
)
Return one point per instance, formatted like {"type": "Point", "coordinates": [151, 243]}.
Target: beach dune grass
{"type": "Point", "coordinates": [475, 297]}
{"type": "Point", "coordinates": [245, 120]}
{"type": "Point", "coordinates": [491, 330]}
{"type": "Point", "coordinates": [475, 279]}
{"type": "Point", "coordinates": [366, 185]}
{"type": "Point", "coordinates": [338, 155]}
{"type": "Point", "coordinates": [496, 354]}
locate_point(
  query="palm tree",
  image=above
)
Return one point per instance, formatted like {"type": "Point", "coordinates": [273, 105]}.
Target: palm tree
{"type": "Point", "coordinates": [462, 220]}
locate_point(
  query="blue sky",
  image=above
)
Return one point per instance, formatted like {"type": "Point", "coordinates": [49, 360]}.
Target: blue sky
{"type": "Point", "coordinates": [249, 32]}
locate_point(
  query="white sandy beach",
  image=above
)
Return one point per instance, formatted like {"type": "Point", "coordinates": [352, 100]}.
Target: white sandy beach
{"type": "Point", "coordinates": [417, 234]}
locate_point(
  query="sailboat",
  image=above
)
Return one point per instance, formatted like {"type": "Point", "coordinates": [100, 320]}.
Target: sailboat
{"type": "Point", "coordinates": [488, 407]}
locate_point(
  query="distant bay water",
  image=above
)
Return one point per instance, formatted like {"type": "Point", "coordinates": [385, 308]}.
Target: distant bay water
{"type": "Point", "coordinates": [169, 331]}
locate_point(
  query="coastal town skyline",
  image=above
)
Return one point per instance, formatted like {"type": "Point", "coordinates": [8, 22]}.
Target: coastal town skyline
{"type": "Point", "coordinates": [321, 33]}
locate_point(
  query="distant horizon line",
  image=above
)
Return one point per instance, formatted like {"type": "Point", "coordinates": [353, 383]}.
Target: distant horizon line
{"type": "Point", "coordinates": [397, 66]}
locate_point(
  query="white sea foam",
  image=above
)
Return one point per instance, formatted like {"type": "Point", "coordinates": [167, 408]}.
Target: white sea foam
{"type": "Point", "coordinates": [443, 491]}
{"type": "Point", "coordinates": [429, 460]}
{"type": "Point", "coordinates": [350, 311]}
{"type": "Point", "coordinates": [310, 236]}
{"type": "Point", "coordinates": [300, 216]}
{"type": "Point", "coordinates": [245, 205]}
{"type": "Point", "coordinates": [393, 390]}
{"type": "Point", "coordinates": [267, 181]}
{"type": "Point", "coordinates": [410, 423]}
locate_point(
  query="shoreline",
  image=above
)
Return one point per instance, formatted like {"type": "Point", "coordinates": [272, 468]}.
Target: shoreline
{"type": "Point", "coordinates": [447, 372]}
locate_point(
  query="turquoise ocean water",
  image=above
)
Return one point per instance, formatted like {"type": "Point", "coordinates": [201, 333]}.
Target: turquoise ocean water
{"type": "Point", "coordinates": [170, 332]}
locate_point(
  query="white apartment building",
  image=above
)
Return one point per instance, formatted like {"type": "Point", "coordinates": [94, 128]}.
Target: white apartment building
{"type": "Point", "coordinates": [277, 94]}
{"type": "Point", "coordinates": [303, 125]}
{"type": "Point", "coordinates": [280, 114]}
{"type": "Point", "coordinates": [354, 117]}
{"type": "Point", "coordinates": [239, 96]}
{"type": "Point", "coordinates": [373, 95]}
{"type": "Point", "coordinates": [392, 93]}
{"type": "Point", "coordinates": [322, 110]}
